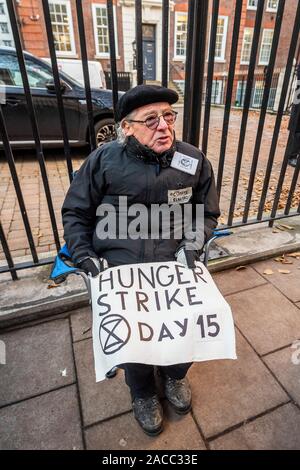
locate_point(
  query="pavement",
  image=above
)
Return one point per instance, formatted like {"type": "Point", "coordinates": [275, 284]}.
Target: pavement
{"type": "Point", "coordinates": [49, 398]}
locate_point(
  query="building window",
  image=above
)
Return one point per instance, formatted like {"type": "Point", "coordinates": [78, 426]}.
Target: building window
{"type": "Point", "coordinates": [272, 5]}
{"type": "Point", "coordinates": [257, 95]}
{"type": "Point", "coordinates": [217, 91]}
{"type": "Point", "coordinates": [221, 37]}
{"type": "Point", "coordinates": [100, 22]}
{"type": "Point", "coordinates": [252, 4]}
{"type": "Point", "coordinates": [266, 45]}
{"type": "Point", "coordinates": [4, 28]}
{"type": "Point", "coordinates": [6, 37]}
{"type": "Point", "coordinates": [180, 34]}
{"type": "Point", "coordinates": [240, 93]}
{"type": "Point", "coordinates": [247, 44]}
{"type": "Point", "coordinates": [62, 26]}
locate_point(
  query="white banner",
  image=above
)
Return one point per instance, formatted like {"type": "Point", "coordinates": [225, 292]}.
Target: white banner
{"type": "Point", "coordinates": [159, 314]}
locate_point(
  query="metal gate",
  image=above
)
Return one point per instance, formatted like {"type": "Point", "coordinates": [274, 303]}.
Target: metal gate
{"type": "Point", "coordinates": [200, 83]}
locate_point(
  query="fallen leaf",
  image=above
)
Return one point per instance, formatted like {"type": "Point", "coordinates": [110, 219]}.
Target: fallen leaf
{"type": "Point", "coordinates": [284, 226]}
{"type": "Point", "coordinates": [294, 255]}
{"type": "Point", "coordinates": [240, 268]}
{"type": "Point", "coordinates": [51, 286]}
{"type": "Point", "coordinates": [286, 261]}
{"type": "Point", "coordinates": [268, 271]}
{"type": "Point", "coordinates": [279, 259]}
{"type": "Point", "coordinates": [284, 271]}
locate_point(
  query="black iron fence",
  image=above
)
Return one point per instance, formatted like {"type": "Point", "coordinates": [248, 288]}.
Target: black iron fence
{"type": "Point", "coordinates": [219, 87]}
{"type": "Point", "coordinates": [246, 91]}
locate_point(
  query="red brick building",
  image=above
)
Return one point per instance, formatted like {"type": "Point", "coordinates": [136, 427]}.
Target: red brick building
{"type": "Point", "coordinates": [65, 28]}
{"type": "Point", "coordinates": [223, 46]}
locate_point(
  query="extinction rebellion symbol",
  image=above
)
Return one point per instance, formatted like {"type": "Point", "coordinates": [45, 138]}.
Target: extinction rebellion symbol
{"type": "Point", "coordinates": [114, 333]}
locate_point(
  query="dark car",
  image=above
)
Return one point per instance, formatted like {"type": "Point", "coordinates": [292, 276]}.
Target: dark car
{"type": "Point", "coordinates": [41, 83]}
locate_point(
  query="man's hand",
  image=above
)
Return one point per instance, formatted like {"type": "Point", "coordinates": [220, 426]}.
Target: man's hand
{"type": "Point", "coordinates": [92, 266]}
{"type": "Point", "coordinates": [187, 257]}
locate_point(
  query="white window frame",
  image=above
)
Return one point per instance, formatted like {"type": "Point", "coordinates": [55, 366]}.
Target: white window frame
{"type": "Point", "coordinates": [270, 8]}
{"type": "Point", "coordinates": [104, 55]}
{"type": "Point", "coordinates": [219, 95]}
{"type": "Point", "coordinates": [72, 52]}
{"type": "Point", "coordinates": [224, 40]}
{"type": "Point", "coordinates": [260, 62]}
{"type": "Point", "coordinates": [251, 7]}
{"type": "Point", "coordinates": [246, 62]}
{"type": "Point", "coordinates": [181, 13]}
{"type": "Point", "coordinates": [257, 96]}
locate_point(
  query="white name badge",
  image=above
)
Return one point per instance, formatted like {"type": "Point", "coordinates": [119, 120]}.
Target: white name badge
{"type": "Point", "coordinates": [184, 163]}
{"type": "Point", "coordinates": [180, 196]}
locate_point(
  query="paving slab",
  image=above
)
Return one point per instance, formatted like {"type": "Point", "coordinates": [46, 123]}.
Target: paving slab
{"type": "Point", "coordinates": [288, 284]}
{"type": "Point", "coordinates": [231, 280]}
{"type": "Point", "coordinates": [50, 421]}
{"type": "Point", "coordinates": [266, 317]}
{"type": "Point", "coordinates": [38, 359]}
{"type": "Point", "coordinates": [228, 392]}
{"type": "Point", "coordinates": [81, 323]}
{"type": "Point", "coordinates": [100, 400]}
{"type": "Point", "coordinates": [285, 364]}
{"type": "Point", "coordinates": [124, 433]}
{"type": "Point", "coordinates": [278, 430]}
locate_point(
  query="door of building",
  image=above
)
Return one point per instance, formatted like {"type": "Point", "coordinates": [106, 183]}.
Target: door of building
{"type": "Point", "coordinates": [149, 51]}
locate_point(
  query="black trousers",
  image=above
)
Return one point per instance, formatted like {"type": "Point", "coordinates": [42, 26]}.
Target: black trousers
{"type": "Point", "coordinates": [141, 380]}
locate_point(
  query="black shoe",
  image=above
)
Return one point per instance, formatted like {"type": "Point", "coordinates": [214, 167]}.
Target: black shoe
{"type": "Point", "coordinates": [178, 393]}
{"type": "Point", "coordinates": [149, 414]}
{"type": "Point", "coordinates": [111, 373]}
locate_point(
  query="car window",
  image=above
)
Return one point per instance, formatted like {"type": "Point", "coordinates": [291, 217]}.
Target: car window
{"type": "Point", "coordinates": [38, 75]}
{"type": "Point", "coordinates": [8, 69]}
{"type": "Point", "coordinates": [10, 74]}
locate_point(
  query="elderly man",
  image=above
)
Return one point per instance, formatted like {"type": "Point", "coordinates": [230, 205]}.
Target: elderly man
{"type": "Point", "coordinates": [148, 166]}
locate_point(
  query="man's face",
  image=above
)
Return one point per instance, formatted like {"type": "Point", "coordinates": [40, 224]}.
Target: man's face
{"type": "Point", "coordinates": [159, 139]}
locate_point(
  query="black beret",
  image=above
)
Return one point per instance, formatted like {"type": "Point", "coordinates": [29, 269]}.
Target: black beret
{"type": "Point", "coordinates": [141, 95]}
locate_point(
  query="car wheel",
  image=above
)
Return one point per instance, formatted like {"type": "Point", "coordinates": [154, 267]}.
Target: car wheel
{"type": "Point", "coordinates": [105, 131]}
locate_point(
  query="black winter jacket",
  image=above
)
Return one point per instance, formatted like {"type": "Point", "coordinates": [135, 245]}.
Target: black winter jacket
{"type": "Point", "coordinates": [112, 171]}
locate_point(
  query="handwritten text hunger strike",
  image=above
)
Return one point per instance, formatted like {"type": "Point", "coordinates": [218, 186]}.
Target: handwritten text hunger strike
{"type": "Point", "coordinates": [147, 284]}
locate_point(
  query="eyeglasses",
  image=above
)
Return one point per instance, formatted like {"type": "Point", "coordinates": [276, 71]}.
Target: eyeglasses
{"type": "Point", "coordinates": [152, 122]}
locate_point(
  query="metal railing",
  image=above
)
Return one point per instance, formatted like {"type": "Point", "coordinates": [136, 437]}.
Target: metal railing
{"type": "Point", "coordinates": [198, 84]}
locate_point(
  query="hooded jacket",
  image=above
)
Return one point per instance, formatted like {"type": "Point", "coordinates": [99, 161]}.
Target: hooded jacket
{"type": "Point", "coordinates": [115, 170]}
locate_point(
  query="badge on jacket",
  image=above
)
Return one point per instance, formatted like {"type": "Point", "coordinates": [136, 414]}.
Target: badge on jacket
{"type": "Point", "coordinates": [180, 196]}
{"type": "Point", "coordinates": [184, 163]}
